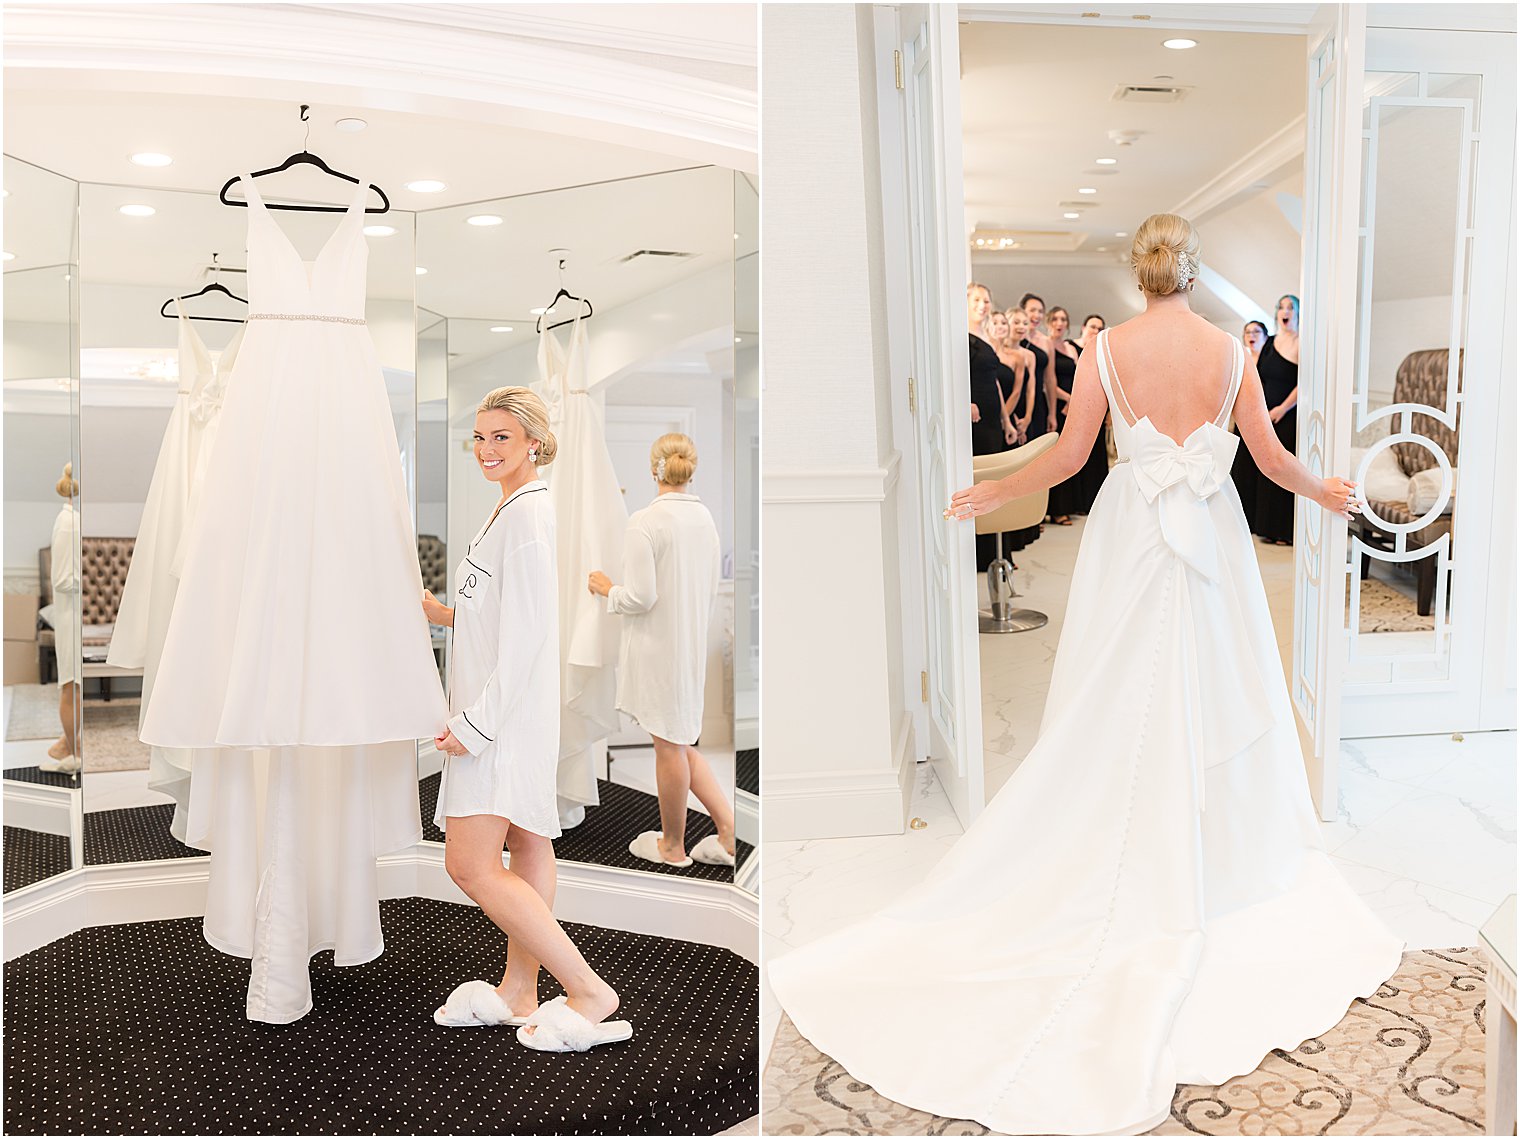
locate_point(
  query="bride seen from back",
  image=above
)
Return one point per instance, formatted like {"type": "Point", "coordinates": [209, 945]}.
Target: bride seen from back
{"type": "Point", "coordinates": [1147, 901]}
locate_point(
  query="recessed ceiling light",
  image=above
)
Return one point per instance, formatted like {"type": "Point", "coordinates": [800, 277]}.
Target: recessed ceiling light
{"type": "Point", "coordinates": [1071, 216]}
{"type": "Point", "coordinates": [379, 230]}
{"type": "Point", "coordinates": [426, 187]}
{"type": "Point", "coordinates": [148, 158]}
{"type": "Point", "coordinates": [1106, 161]}
{"type": "Point", "coordinates": [981, 241]}
{"type": "Point", "coordinates": [483, 219]}
{"type": "Point", "coordinates": [7, 256]}
{"type": "Point", "coordinates": [1087, 190]}
{"type": "Point", "coordinates": [1181, 43]}
{"type": "Point", "coordinates": [1102, 249]}
{"type": "Point", "coordinates": [420, 270]}
{"type": "Point", "coordinates": [138, 211]}
{"type": "Point", "coordinates": [738, 340]}
{"type": "Point", "coordinates": [350, 126]}
{"type": "Point", "coordinates": [1121, 234]}
{"type": "Point", "coordinates": [541, 311]}
{"type": "Point", "coordinates": [501, 328]}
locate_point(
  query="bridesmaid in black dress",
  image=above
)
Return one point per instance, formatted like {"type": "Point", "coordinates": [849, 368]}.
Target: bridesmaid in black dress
{"type": "Point", "coordinates": [1065, 496]}
{"type": "Point", "coordinates": [1268, 507]}
{"type": "Point", "coordinates": [1043, 418]}
{"type": "Point", "coordinates": [1094, 471]}
{"type": "Point", "coordinates": [1022, 410]}
{"type": "Point", "coordinates": [991, 430]}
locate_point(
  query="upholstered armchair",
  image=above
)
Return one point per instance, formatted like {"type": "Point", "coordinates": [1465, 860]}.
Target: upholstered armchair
{"type": "Point", "coordinates": [1421, 378]}
{"type": "Point", "coordinates": [432, 556]}
{"type": "Point", "coordinates": [103, 575]}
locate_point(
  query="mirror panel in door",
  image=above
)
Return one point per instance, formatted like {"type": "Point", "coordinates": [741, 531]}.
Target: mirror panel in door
{"type": "Point", "coordinates": [42, 601]}
{"type": "Point", "coordinates": [654, 256]}
{"type": "Point", "coordinates": [747, 522]}
{"type": "Point", "coordinates": [150, 401]}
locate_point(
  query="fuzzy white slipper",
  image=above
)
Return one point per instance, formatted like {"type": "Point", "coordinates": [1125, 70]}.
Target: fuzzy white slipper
{"type": "Point", "coordinates": [559, 1028]}
{"type": "Point", "coordinates": [476, 1003]}
{"type": "Point", "coordinates": [647, 847]}
{"type": "Point", "coordinates": [711, 851]}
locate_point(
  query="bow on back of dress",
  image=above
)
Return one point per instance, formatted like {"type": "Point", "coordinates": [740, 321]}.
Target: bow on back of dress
{"type": "Point", "coordinates": [1178, 478]}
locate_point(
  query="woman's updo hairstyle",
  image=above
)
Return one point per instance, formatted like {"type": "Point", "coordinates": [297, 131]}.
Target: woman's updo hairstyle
{"type": "Point", "coordinates": [673, 459]}
{"type": "Point", "coordinates": [525, 407]}
{"type": "Point", "coordinates": [1165, 254]}
{"type": "Point", "coordinates": [67, 487]}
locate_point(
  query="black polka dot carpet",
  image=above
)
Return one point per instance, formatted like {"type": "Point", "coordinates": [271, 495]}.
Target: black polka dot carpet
{"type": "Point", "coordinates": [31, 856]}
{"type": "Point", "coordinates": [603, 838]}
{"type": "Point", "coordinates": [140, 1029]}
{"type": "Point", "coordinates": [747, 770]}
{"type": "Point", "coordinates": [133, 834]}
{"type": "Point", "coordinates": [36, 775]}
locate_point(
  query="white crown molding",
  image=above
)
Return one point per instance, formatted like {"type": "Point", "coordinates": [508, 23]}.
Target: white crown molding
{"type": "Point", "coordinates": [1264, 163]}
{"type": "Point", "coordinates": [1284, 19]}
{"type": "Point", "coordinates": [384, 56]}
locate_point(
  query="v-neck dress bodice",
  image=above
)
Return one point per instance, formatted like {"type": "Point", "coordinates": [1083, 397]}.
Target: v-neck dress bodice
{"type": "Point", "coordinates": [280, 283]}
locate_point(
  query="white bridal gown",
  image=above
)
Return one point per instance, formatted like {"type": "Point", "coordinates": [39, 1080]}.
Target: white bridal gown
{"type": "Point", "coordinates": [297, 648]}
{"type": "Point", "coordinates": [147, 598]}
{"type": "Point", "coordinates": [590, 515]}
{"type": "Point", "coordinates": [1147, 901]}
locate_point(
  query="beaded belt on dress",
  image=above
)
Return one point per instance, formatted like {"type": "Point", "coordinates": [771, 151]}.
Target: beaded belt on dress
{"type": "Point", "coordinates": [305, 316]}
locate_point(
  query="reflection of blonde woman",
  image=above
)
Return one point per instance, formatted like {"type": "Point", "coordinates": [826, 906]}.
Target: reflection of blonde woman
{"type": "Point", "coordinates": [671, 566]}
{"type": "Point", "coordinates": [503, 743]}
{"type": "Point", "coordinates": [63, 755]}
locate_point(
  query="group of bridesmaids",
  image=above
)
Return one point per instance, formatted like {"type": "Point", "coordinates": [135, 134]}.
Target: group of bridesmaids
{"type": "Point", "coordinates": [1268, 507]}
{"type": "Point", "coordinates": [1023, 367]}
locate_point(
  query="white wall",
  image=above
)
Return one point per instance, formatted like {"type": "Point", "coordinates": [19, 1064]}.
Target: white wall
{"type": "Point", "coordinates": [36, 447]}
{"type": "Point", "coordinates": [1255, 247]}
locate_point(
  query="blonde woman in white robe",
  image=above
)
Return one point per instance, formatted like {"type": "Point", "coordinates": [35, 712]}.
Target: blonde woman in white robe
{"type": "Point", "coordinates": [63, 753]}
{"type": "Point", "coordinates": [671, 564]}
{"type": "Point", "coordinates": [502, 743]}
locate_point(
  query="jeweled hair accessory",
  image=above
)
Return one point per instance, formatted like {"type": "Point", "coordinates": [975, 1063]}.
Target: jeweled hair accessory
{"type": "Point", "coordinates": [659, 470]}
{"type": "Point", "coordinates": [1187, 269]}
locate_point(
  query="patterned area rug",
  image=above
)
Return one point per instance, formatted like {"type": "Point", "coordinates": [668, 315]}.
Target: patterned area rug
{"type": "Point", "coordinates": [1406, 1061]}
{"type": "Point", "coordinates": [1385, 610]}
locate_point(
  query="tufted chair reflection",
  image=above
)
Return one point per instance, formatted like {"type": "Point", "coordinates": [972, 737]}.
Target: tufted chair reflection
{"type": "Point", "coordinates": [103, 564]}
{"type": "Point", "coordinates": [432, 556]}
{"type": "Point", "coordinates": [1421, 378]}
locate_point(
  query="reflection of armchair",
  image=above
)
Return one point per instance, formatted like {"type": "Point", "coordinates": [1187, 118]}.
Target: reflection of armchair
{"type": "Point", "coordinates": [103, 575]}
{"type": "Point", "coordinates": [1421, 379]}
{"type": "Point", "coordinates": [432, 556]}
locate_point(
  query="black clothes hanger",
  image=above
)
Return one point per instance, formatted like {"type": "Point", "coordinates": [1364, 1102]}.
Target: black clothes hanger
{"type": "Point", "coordinates": [304, 158]}
{"type": "Point", "coordinates": [563, 293]}
{"type": "Point", "coordinates": [214, 287]}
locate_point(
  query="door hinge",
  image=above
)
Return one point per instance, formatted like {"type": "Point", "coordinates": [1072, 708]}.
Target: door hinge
{"type": "Point", "coordinates": [923, 686]}
{"type": "Point", "coordinates": [897, 68]}
{"type": "Point", "coordinates": [912, 397]}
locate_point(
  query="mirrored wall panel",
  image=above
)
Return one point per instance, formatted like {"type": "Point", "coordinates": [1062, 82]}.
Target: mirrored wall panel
{"type": "Point", "coordinates": [162, 310]}
{"type": "Point", "coordinates": [45, 625]}
{"type": "Point", "coordinates": [615, 303]}
{"type": "Point", "coordinates": [747, 520]}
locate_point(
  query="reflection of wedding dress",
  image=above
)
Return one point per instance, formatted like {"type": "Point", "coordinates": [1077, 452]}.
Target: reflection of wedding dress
{"type": "Point", "coordinates": [590, 517]}
{"type": "Point", "coordinates": [1147, 901]}
{"type": "Point", "coordinates": [147, 598]}
{"type": "Point", "coordinates": [297, 647]}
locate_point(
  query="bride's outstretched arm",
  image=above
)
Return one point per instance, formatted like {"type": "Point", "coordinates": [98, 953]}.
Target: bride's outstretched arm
{"type": "Point", "coordinates": [1084, 419]}
{"type": "Point", "coordinates": [1276, 461]}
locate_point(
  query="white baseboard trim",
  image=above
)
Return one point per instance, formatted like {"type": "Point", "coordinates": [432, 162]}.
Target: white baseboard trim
{"type": "Point", "coordinates": [746, 733]}
{"type": "Point", "coordinates": [747, 817]}
{"type": "Point", "coordinates": [842, 804]}
{"type": "Point", "coordinates": [662, 905]}
{"type": "Point", "coordinates": [36, 807]}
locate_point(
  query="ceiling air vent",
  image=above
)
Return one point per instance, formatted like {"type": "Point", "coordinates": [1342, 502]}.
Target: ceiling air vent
{"type": "Point", "coordinates": [1150, 93]}
{"type": "Point", "coordinates": [671, 253]}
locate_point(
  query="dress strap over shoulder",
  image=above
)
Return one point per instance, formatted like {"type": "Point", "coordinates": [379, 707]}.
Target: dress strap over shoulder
{"type": "Point", "coordinates": [1238, 370]}
{"type": "Point", "coordinates": [1108, 375]}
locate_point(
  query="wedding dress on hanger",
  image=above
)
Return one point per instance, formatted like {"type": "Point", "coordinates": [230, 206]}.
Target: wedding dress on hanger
{"type": "Point", "coordinates": [1147, 901]}
{"type": "Point", "coordinates": [297, 650]}
{"type": "Point", "coordinates": [147, 597]}
{"type": "Point", "coordinates": [590, 517]}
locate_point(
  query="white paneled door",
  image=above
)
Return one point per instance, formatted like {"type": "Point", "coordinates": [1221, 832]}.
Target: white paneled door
{"type": "Point", "coordinates": [929, 75]}
{"type": "Point", "coordinates": [1335, 44]}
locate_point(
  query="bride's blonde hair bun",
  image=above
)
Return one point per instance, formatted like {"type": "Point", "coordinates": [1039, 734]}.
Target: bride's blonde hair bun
{"type": "Point", "coordinates": [1164, 255]}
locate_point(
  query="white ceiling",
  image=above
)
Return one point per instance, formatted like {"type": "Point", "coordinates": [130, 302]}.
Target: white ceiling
{"type": "Point", "coordinates": [1038, 108]}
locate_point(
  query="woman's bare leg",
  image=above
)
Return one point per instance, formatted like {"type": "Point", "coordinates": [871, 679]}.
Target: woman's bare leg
{"type": "Point", "coordinates": [710, 793]}
{"type": "Point", "coordinates": [672, 773]}
{"type": "Point", "coordinates": [533, 862]}
{"type": "Point", "coordinates": [472, 856]}
{"type": "Point", "coordinates": [68, 719]}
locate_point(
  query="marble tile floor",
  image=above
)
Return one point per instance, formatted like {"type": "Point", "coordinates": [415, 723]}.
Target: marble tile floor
{"type": "Point", "coordinates": [1425, 829]}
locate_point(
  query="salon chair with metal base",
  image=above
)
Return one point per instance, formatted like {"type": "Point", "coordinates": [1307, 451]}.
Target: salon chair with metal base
{"type": "Point", "coordinates": [1019, 514]}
